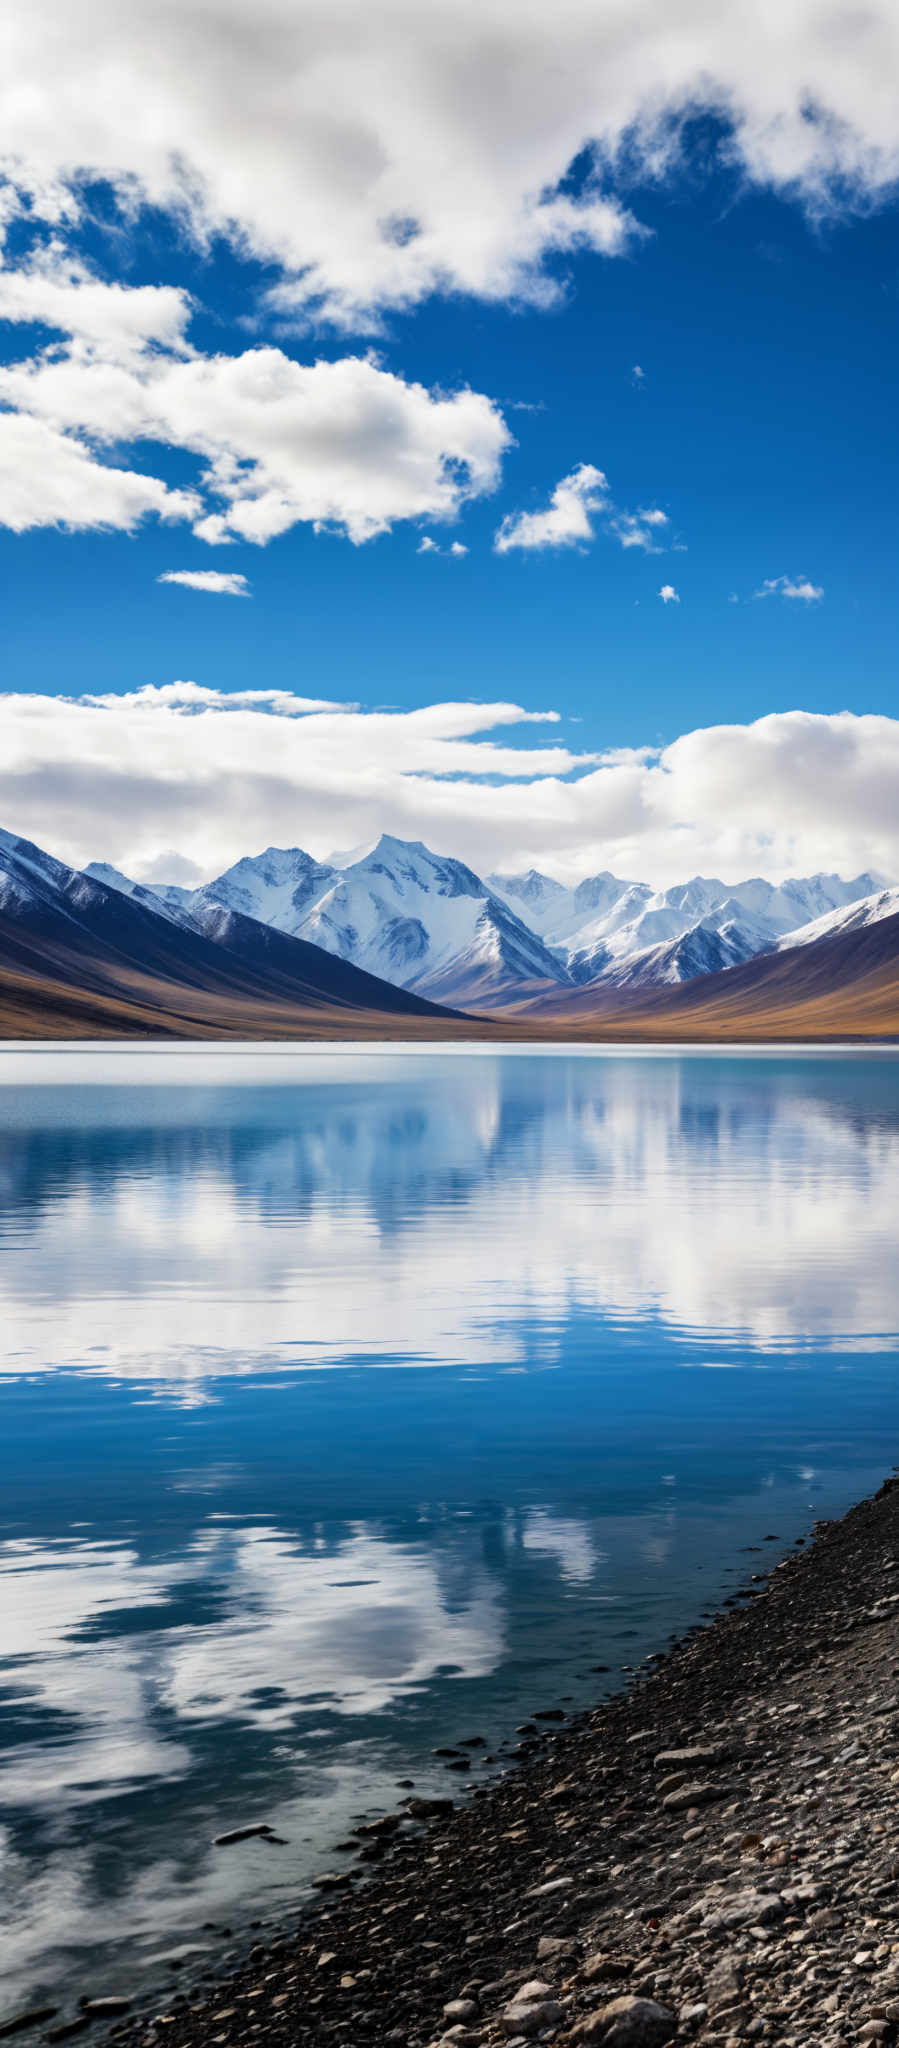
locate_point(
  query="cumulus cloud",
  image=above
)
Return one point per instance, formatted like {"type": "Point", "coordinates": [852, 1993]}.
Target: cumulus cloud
{"type": "Point", "coordinates": [568, 519]}
{"type": "Point", "coordinates": [184, 766]}
{"type": "Point", "coordinates": [376, 155]}
{"type": "Point", "coordinates": [52, 287]}
{"type": "Point", "coordinates": [218, 582]}
{"type": "Point", "coordinates": [668, 594]}
{"type": "Point", "coordinates": [346, 446]}
{"type": "Point", "coordinates": [791, 586]}
{"type": "Point", "coordinates": [51, 478]}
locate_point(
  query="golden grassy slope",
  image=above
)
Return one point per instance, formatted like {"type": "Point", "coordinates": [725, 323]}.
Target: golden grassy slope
{"type": "Point", "coordinates": [842, 987]}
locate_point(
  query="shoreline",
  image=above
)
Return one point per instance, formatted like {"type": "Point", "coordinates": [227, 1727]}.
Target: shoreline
{"type": "Point", "coordinates": [745, 1888]}
{"type": "Point", "coordinates": [322, 1049]}
{"type": "Point", "coordinates": [470, 1036]}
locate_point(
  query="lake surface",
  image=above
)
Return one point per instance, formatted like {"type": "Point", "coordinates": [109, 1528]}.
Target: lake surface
{"type": "Point", "coordinates": [356, 1403]}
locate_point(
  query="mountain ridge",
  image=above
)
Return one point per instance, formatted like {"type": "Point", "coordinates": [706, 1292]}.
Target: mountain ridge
{"type": "Point", "coordinates": [82, 957]}
{"type": "Point", "coordinates": [64, 930]}
{"type": "Point", "coordinates": [428, 922]}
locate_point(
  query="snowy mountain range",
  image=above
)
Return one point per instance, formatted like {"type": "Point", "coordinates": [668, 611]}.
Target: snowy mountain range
{"type": "Point", "coordinates": [75, 952]}
{"type": "Point", "coordinates": [426, 922]}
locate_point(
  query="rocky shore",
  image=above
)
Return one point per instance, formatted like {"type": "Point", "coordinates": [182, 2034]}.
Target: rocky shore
{"type": "Point", "coordinates": [712, 1857]}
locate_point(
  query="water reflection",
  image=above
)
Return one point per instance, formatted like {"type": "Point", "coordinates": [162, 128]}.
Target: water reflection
{"type": "Point", "coordinates": [461, 1211]}
{"type": "Point", "coordinates": [244, 1576]}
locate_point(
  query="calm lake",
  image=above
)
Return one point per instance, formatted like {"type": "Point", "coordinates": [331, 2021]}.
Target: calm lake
{"type": "Point", "coordinates": [357, 1403]}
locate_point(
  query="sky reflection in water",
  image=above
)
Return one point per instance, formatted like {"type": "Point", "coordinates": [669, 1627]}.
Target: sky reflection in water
{"type": "Point", "coordinates": [243, 1574]}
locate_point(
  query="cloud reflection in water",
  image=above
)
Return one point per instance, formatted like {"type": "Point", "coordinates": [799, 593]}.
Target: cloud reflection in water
{"type": "Point", "coordinates": [192, 1232]}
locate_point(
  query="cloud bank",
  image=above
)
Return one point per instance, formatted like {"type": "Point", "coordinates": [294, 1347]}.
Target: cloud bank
{"type": "Point", "coordinates": [185, 769]}
{"type": "Point", "coordinates": [379, 154]}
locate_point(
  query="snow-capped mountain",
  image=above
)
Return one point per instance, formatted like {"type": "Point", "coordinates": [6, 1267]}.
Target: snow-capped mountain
{"type": "Point", "coordinates": [157, 898]}
{"type": "Point", "coordinates": [27, 873]}
{"type": "Point", "coordinates": [32, 882]}
{"type": "Point", "coordinates": [701, 950]}
{"type": "Point", "coordinates": [560, 915]}
{"type": "Point", "coordinates": [413, 917]}
{"type": "Point", "coordinates": [427, 922]}
{"type": "Point", "coordinates": [853, 918]}
{"type": "Point", "coordinates": [630, 935]}
{"type": "Point", "coordinates": [98, 950]}
{"type": "Point", "coordinates": [430, 922]}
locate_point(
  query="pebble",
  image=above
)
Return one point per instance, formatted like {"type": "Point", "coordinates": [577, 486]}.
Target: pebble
{"type": "Point", "coordinates": [241, 1834]}
{"type": "Point", "coordinates": [699, 1793]}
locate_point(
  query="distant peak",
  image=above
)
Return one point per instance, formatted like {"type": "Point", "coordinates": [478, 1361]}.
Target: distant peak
{"type": "Point", "coordinates": [530, 879]}
{"type": "Point", "coordinates": [389, 848]}
{"type": "Point", "coordinates": [388, 843]}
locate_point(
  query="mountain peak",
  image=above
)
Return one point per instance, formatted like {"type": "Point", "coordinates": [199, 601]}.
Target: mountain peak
{"type": "Point", "coordinates": [531, 887]}
{"type": "Point", "coordinates": [389, 845]}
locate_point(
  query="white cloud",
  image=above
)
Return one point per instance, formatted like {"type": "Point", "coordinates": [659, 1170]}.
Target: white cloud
{"type": "Point", "coordinates": [189, 697]}
{"type": "Point", "coordinates": [668, 594]}
{"type": "Point", "coordinates": [54, 288]}
{"type": "Point", "coordinates": [638, 529]}
{"type": "Point", "coordinates": [378, 154]}
{"type": "Point", "coordinates": [50, 478]}
{"type": "Point", "coordinates": [184, 766]}
{"type": "Point", "coordinates": [567, 521]}
{"type": "Point", "coordinates": [345, 445]}
{"type": "Point", "coordinates": [216, 581]}
{"type": "Point", "coordinates": [429, 546]}
{"type": "Point", "coordinates": [791, 586]}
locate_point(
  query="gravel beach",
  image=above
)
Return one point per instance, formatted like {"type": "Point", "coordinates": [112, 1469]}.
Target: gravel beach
{"type": "Point", "coordinates": [711, 1857]}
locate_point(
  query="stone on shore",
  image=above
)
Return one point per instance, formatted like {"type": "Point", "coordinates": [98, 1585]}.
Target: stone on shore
{"type": "Point", "coordinates": [628, 2023]}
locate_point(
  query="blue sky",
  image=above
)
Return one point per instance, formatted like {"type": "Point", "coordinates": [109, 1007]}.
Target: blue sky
{"type": "Point", "coordinates": [725, 357]}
